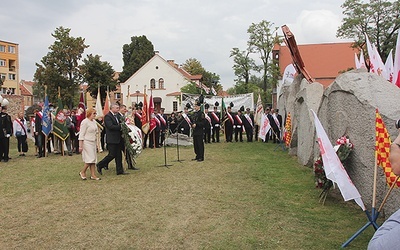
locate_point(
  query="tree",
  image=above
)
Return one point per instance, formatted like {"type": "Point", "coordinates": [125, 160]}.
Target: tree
{"type": "Point", "coordinates": [378, 19]}
{"type": "Point", "coordinates": [98, 73]}
{"type": "Point", "coordinates": [194, 67]}
{"type": "Point", "coordinates": [261, 40]}
{"type": "Point", "coordinates": [59, 68]}
{"type": "Point", "coordinates": [135, 55]}
{"type": "Point", "coordinates": [242, 66]}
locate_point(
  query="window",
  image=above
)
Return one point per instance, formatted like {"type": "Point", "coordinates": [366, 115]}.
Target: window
{"type": "Point", "coordinates": [161, 83]}
{"type": "Point", "coordinates": [11, 76]}
{"type": "Point", "coordinates": [117, 96]}
{"type": "Point", "coordinates": [152, 83]}
{"type": "Point", "coordinates": [2, 48]}
{"type": "Point", "coordinates": [174, 106]}
{"type": "Point", "coordinates": [3, 77]}
{"type": "Point", "coordinates": [2, 62]}
{"type": "Point", "coordinates": [11, 49]}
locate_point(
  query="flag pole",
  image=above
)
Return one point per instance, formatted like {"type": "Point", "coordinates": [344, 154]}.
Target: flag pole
{"type": "Point", "coordinates": [45, 136]}
{"type": "Point", "coordinates": [387, 194]}
{"type": "Point", "coordinates": [373, 212]}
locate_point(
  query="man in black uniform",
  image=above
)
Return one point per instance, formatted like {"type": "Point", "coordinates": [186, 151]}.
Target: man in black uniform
{"type": "Point", "coordinates": [198, 122]}
{"type": "Point", "coordinates": [185, 123]}
{"type": "Point", "coordinates": [216, 123]}
{"type": "Point", "coordinates": [238, 126]}
{"type": "Point", "coordinates": [207, 125]}
{"type": "Point", "coordinates": [275, 125]}
{"type": "Point", "coordinates": [164, 126]}
{"type": "Point", "coordinates": [248, 123]}
{"type": "Point", "coordinates": [5, 133]}
{"type": "Point", "coordinates": [228, 119]}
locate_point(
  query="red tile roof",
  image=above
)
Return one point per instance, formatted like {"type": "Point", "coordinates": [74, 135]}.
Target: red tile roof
{"type": "Point", "coordinates": [174, 94]}
{"type": "Point", "coordinates": [322, 61]}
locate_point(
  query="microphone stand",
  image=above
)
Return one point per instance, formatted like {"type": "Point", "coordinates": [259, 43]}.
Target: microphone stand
{"type": "Point", "coordinates": [165, 149]}
{"type": "Point", "coordinates": [177, 138]}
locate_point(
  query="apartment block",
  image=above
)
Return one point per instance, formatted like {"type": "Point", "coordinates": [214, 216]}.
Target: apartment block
{"type": "Point", "coordinates": [9, 68]}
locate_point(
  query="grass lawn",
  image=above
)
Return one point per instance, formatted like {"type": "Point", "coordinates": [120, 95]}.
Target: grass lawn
{"type": "Point", "coordinates": [243, 196]}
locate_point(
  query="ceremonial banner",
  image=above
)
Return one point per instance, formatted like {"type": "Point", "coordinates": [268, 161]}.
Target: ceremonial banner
{"type": "Point", "coordinates": [259, 111]}
{"type": "Point", "coordinates": [382, 149]}
{"type": "Point", "coordinates": [389, 67]}
{"type": "Point", "coordinates": [264, 127]}
{"type": "Point", "coordinates": [60, 122]}
{"type": "Point", "coordinates": [107, 104]}
{"type": "Point", "coordinates": [396, 65]}
{"type": "Point", "coordinates": [145, 115]}
{"type": "Point", "coordinates": [98, 108]}
{"type": "Point", "coordinates": [245, 100]}
{"type": "Point", "coordinates": [333, 167]}
{"type": "Point", "coordinates": [46, 118]}
{"type": "Point", "coordinates": [152, 117]}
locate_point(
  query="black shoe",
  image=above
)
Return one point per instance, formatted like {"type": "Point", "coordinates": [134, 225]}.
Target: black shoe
{"type": "Point", "coordinates": [124, 173]}
{"type": "Point", "coordinates": [200, 159]}
{"type": "Point", "coordinates": [135, 168]}
{"type": "Point", "coordinates": [106, 167]}
{"type": "Point", "coordinates": [194, 159]}
{"type": "Point", "coordinates": [70, 154]}
{"type": "Point", "coordinates": [99, 169]}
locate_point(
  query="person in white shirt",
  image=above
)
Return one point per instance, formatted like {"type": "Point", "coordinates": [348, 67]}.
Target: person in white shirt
{"type": "Point", "coordinates": [20, 130]}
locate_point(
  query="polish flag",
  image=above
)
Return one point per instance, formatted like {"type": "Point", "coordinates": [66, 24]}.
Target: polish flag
{"type": "Point", "coordinates": [389, 67]}
{"type": "Point", "coordinates": [396, 65]}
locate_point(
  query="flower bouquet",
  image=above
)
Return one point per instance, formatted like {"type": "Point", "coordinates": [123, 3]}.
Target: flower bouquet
{"type": "Point", "coordinates": [343, 149]}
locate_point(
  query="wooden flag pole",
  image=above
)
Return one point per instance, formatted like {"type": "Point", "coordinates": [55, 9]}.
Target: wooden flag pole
{"type": "Point", "coordinates": [388, 193]}
{"type": "Point", "coordinates": [374, 184]}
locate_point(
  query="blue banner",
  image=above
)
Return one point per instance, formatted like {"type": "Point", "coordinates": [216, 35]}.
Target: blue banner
{"type": "Point", "coordinates": [46, 120]}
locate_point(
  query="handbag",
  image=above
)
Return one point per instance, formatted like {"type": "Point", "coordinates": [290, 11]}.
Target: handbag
{"type": "Point", "coordinates": [18, 133]}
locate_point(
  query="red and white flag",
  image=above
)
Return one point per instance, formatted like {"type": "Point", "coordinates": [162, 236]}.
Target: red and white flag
{"type": "Point", "coordinates": [396, 65]}
{"type": "Point", "coordinates": [356, 61]}
{"type": "Point", "coordinates": [333, 167]}
{"type": "Point", "coordinates": [362, 60]}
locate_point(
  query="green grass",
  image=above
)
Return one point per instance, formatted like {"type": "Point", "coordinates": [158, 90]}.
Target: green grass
{"type": "Point", "coordinates": [243, 196]}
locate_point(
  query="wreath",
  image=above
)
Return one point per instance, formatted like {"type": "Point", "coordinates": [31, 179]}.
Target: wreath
{"type": "Point", "coordinates": [343, 149]}
{"type": "Point", "coordinates": [132, 140]}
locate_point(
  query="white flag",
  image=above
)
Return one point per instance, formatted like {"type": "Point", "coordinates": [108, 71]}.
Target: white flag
{"type": "Point", "coordinates": [259, 111]}
{"type": "Point", "coordinates": [98, 108]}
{"type": "Point", "coordinates": [288, 74]}
{"type": "Point", "coordinates": [356, 61]}
{"type": "Point", "coordinates": [362, 60]}
{"type": "Point", "coordinates": [264, 127]}
{"type": "Point", "coordinates": [333, 167]}
{"type": "Point", "coordinates": [389, 67]}
{"type": "Point", "coordinates": [396, 66]}
{"type": "Point", "coordinates": [376, 64]}
{"type": "Point", "coordinates": [213, 91]}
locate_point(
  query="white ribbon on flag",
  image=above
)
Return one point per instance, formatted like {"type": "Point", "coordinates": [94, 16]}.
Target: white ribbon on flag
{"type": "Point", "coordinates": [265, 126]}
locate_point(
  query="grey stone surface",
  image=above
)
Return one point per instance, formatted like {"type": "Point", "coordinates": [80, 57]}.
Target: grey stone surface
{"type": "Point", "coordinates": [183, 140]}
{"type": "Point", "coordinates": [346, 107]}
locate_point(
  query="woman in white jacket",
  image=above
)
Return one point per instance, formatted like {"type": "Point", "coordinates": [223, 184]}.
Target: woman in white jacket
{"type": "Point", "coordinates": [20, 132]}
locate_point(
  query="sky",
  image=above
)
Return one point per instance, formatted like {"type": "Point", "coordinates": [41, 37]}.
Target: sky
{"type": "Point", "coordinates": [206, 30]}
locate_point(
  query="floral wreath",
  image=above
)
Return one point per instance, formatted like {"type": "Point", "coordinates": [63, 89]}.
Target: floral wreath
{"type": "Point", "coordinates": [343, 149]}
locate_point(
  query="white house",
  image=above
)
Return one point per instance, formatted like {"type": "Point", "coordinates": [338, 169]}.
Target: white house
{"type": "Point", "coordinates": [163, 78]}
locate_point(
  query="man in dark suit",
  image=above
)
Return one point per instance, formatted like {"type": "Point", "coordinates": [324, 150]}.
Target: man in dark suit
{"type": "Point", "coordinates": [163, 125]}
{"type": "Point", "coordinates": [198, 132]}
{"type": "Point", "coordinates": [228, 119]}
{"type": "Point", "coordinates": [39, 135]}
{"type": "Point", "coordinates": [184, 127]}
{"type": "Point", "coordinates": [207, 124]}
{"type": "Point", "coordinates": [113, 139]}
{"type": "Point", "coordinates": [248, 123]}
{"type": "Point", "coordinates": [275, 125]}
{"type": "Point", "coordinates": [5, 133]}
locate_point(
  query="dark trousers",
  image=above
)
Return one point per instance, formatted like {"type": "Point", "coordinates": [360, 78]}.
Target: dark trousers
{"type": "Point", "coordinates": [249, 133]}
{"type": "Point", "coordinates": [114, 152]}
{"type": "Point", "coordinates": [256, 128]}
{"type": "Point", "coordinates": [228, 133]}
{"type": "Point", "coordinates": [207, 135]}
{"type": "Point", "coordinates": [22, 144]}
{"type": "Point", "coordinates": [127, 156]}
{"type": "Point", "coordinates": [239, 133]}
{"type": "Point", "coordinates": [198, 146]}
{"type": "Point", "coordinates": [41, 144]}
{"type": "Point", "coordinates": [145, 140]}
{"type": "Point", "coordinates": [4, 148]}
{"type": "Point", "coordinates": [215, 134]}
{"type": "Point", "coordinates": [162, 137]}
{"type": "Point", "coordinates": [276, 136]}
{"type": "Point", "coordinates": [154, 139]}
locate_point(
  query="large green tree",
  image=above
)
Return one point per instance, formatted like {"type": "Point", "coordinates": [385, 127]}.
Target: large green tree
{"type": "Point", "coordinates": [59, 69]}
{"type": "Point", "coordinates": [262, 38]}
{"type": "Point", "coordinates": [243, 64]}
{"type": "Point", "coordinates": [135, 55]}
{"type": "Point", "coordinates": [210, 79]}
{"type": "Point", "coordinates": [378, 19]}
{"type": "Point", "coordinates": [98, 73]}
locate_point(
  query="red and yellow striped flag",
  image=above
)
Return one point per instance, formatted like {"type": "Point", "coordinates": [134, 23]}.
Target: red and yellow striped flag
{"type": "Point", "coordinates": [382, 149]}
{"type": "Point", "coordinates": [288, 130]}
